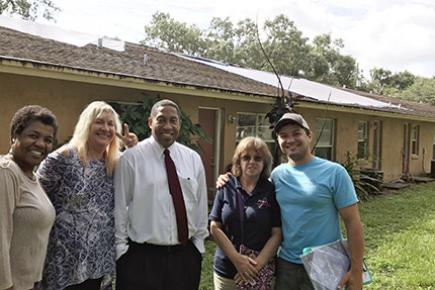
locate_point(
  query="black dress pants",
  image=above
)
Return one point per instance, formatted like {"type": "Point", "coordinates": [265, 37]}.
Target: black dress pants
{"type": "Point", "coordinates": [151, 267]}
{"type": "Point", "coordinates": [91, 284]}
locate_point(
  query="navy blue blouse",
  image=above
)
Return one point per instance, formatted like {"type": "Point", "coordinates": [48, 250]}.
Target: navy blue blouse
{"type": "Point", "coordinates": [261, 214]}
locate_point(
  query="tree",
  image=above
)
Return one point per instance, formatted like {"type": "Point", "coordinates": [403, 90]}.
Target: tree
{"type": "Point", "coordinates": [167, 33]}
{"type": "Point", "coordinates": [385, 82]}
{"type": "Point", "coordinates": [422, 90]}
{"type": "Point", "coordinates": [403, 85]}
{"type": "Point", "coordinates": [29, 9]}
{"type": "Point", "coordinates": [221, 40]}
{"type": "Point", "coordinates": [289, 51]}
{"type": "Point", "coordinates": [328, 65]}
{"type": "Point", "coordinates": [287, 48]}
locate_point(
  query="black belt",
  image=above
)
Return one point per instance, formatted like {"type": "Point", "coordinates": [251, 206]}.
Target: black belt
{"type": "Point", "coordinates": [162, 248]}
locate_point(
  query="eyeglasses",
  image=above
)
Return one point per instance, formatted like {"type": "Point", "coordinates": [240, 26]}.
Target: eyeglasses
{"type": "Point", "coordinates": [256, 158]}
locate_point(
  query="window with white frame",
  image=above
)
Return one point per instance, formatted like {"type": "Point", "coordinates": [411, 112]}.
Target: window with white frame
{"type": "Point", "coordinates": [253, 124]}
{"type": "Point", "coordinates": [415, 135]}
{"type": "Point", "coordinates": [363, 140]}
{"type": "Point", "coordinates": [325, 136]}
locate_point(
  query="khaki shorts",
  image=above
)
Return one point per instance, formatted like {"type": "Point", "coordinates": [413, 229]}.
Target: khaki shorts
{"type": "Point", "coordinates": [222, 283]}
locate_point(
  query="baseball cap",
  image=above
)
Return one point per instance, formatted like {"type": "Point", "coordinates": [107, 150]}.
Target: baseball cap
{"type": "Point", "coordinates": [288, 118]}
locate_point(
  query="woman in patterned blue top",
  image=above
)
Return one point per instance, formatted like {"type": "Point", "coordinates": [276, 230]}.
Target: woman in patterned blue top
{"type": "Point", "coordinates": [78, 178]}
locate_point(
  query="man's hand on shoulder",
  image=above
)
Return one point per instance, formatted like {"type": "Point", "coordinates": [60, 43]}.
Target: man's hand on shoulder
{"type": "Point", "coordinates": [222, 180]}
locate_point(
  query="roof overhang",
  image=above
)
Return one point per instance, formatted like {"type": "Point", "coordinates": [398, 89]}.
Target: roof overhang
{"type": "Point", "coordinates": [361, 111]}
{"type": "Point", "coordinates": [52, 71]}
{"type": "Point", "coordinates": [43, 70]}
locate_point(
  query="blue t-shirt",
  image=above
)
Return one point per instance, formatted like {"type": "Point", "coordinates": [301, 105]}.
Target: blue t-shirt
{"type": "Point", "coordinates": [261, 213]}
{"type": "Point", "coordinates": [309, 197]}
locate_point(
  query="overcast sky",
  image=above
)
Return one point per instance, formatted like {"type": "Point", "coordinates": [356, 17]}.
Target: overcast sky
{"type": "Point", "coordinates": [394, 34]}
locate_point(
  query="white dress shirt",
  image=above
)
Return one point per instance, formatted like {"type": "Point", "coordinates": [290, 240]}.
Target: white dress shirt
{"type": "Point", "coordinates": [144, 211]}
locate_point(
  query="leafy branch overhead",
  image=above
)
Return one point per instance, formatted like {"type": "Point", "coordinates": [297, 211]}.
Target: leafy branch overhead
{"type": "Point", "coordinates": [29, 10]}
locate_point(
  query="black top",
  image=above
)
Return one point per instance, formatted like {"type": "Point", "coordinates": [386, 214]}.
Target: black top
{"type": "Point", "coordinates": [261, 213]}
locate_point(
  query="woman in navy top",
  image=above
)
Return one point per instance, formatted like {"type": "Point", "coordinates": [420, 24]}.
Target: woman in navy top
{"type": "Point", "coordinates": [251, 167]}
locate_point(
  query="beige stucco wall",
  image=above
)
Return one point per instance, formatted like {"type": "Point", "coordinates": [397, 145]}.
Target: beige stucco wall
{"type": "Point", "coordinates": [392, 146]}
{"type": "Point", "coordinates": [67, 99]}
{"type": "Point", "coordinates": [391, 140]}
{"type": "Point", "coordinates": [421, 162]}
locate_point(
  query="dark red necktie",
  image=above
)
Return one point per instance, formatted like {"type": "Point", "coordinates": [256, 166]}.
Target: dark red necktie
{"type": "Point", "coordinates": [177, 198]}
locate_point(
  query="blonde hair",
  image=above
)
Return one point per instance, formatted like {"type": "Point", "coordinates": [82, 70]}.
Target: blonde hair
{"type": "Point", "coordinates": [258, 145]}
{"type": "Point", "coordinates": [80, 138]}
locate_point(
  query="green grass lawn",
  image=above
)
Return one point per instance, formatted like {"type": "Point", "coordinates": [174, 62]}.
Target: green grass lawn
{"type": "Point", "coordinates": [400, 238]}
{"type": "Point", "coordinates": [399, 232]}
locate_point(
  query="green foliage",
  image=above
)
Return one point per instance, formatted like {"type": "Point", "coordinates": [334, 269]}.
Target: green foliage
{"type": "Point", "coordinates": [402, 85]}
{"type": "Point", "coordinates": [136, 116]}
{"type": "Point", "coordinates": [29, 9]}
{"type": "Point", "coordinates": [385, 82]}
{"type": "Point", "coordinates": [422, 90]}
{"type": "Point", "coordinates": [365, 185]}
{"type": "Point", "coordinates": [220, 40]}
{"type": "Point", "coordinates": [398, 230]}
{"type": "Point", "coordinates": [167, 33]}
{"type": "Point", "coordinates": [329, 65]}
{"type": "Point", "coordinates": [290, 52]}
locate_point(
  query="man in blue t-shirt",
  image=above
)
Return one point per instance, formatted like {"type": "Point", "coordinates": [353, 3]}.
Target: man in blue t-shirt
{"type": "Point", "coordinates": [312, 193]}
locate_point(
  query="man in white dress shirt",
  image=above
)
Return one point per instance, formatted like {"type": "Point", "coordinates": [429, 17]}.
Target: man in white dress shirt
{"type": "Point", "coordinates": [150, 253]}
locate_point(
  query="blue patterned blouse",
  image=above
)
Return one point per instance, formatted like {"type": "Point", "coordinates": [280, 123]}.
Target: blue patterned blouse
{"type": "Point", "coordinates": [82, 241]}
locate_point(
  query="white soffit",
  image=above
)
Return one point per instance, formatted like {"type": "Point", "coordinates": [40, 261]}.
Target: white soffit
{"type": "Point", "coordinates": [300, 86]}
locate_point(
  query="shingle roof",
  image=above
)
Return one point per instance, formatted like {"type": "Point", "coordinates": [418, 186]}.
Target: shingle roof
{"type": "Point", "coordinates": [161, 66]}
{"type": "Point", "coordinates": [412, 108]}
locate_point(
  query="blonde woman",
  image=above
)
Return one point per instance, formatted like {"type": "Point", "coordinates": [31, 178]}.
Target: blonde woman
{"type": "Point", "coordinates": [78, 178]}
{"type": "Point", "coordinates": [245, 212]}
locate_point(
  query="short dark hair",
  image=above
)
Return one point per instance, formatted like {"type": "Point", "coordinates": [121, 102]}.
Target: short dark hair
{"type": "Point", "coordinates": [29, 114]}
{"type": "Point", "coordinates": [164, 103]}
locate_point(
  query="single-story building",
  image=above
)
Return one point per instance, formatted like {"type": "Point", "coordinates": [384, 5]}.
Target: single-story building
{"type": "Point", "coordinates": [393, 136]}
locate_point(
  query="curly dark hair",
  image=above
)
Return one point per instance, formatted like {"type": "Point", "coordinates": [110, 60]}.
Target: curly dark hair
{"type": "Point", "coordinates": [29, 114]}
